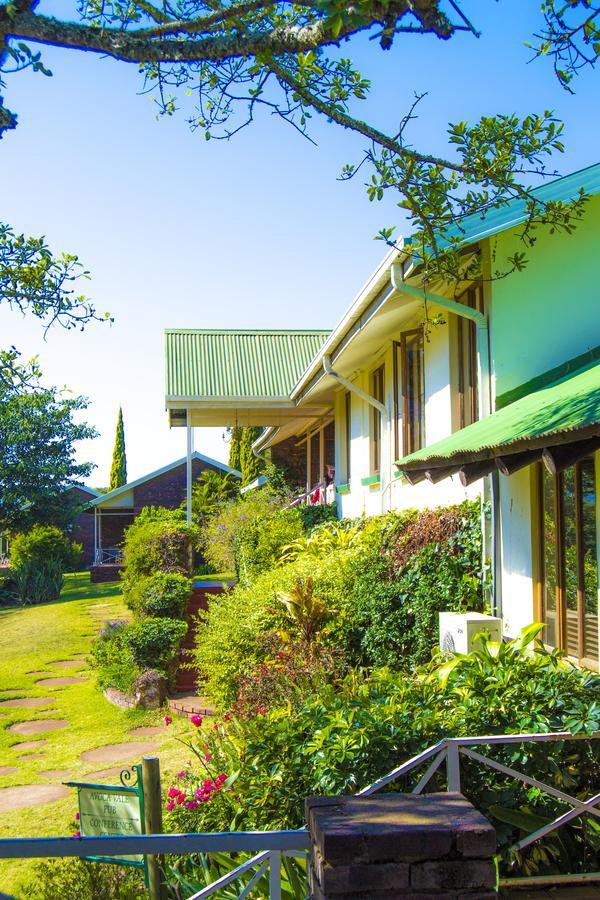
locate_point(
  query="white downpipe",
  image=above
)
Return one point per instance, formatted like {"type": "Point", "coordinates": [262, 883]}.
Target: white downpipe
{"type": "Point", "coordinates": [484, 405]}
{"type": "Point", "coordinates": [372, 401]}
{"type": "Point", "coordinates": [352, 387]}
{"type": "Point", "coordinates": [188, 471]}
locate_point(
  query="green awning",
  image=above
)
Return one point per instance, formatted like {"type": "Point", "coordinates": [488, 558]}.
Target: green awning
{"type": "Point", "coordinates": [563, 412]}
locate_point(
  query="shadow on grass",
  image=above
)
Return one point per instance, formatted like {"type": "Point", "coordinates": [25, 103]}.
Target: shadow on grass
{"type": "Point", "coordinates": [77, 587]}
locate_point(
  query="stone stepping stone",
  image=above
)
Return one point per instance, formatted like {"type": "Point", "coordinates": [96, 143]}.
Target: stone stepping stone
{"type": "Point", "coordinates": [116, 752]}
{"type": "Point", "coordinates": [109, 775]}
{"type": "Point", "coordinates": [8, 770]}
{"type": "Point", "coordinates": [29, 745]}
{"type": "Point", "coordinates": [146, 731]}
{"type": "Point", "coordinates": [63, 774]}
{"type": "Point", "coordinates": [24, 796]}
{"type": "Point", "coordinates": [31, 756]}
{"type": "Point", "coordinates": [38, 727]}
{"type": "Point", "coordinates": [59, 682]}
{"type": "Point", "coordinates": [67, 663]}
{"type": "Point", "coordinates": [45, 672]}
{"type": "Point", "coordinates": [28, 702]}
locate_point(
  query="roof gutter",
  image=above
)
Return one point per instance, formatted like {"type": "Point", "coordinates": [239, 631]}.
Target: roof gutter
{"type": "Point", "coordinates": [262, 439]}
{"type": "Point", "coordinates": [352, 387]}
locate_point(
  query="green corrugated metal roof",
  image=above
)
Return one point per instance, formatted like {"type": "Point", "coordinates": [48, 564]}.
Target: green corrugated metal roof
{"type": "Point", "coordinates": [478, 226]}
{"type": "Point", "coordinates": [227, 364]}
{"type": "Point", "coordinates": [571, 404]}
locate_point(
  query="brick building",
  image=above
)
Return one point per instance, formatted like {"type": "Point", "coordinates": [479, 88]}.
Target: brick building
{"type": "Point", "coordinates": [111, 513]}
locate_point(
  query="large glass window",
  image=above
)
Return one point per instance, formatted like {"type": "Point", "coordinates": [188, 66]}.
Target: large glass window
{"type": "Point", "coordinates": [468, 410]}
{"type": "Point", "coordinates": [413, 392]}
{"type": "Point", "coordinates": [569, 564]}
{"type": "Point", "coordinates": [378, 391]}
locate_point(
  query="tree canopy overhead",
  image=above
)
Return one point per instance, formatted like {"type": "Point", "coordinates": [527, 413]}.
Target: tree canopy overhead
{"type": "Point", "coordinates": [235, 57]}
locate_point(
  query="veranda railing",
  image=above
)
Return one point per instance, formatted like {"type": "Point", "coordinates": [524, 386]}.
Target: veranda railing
{"type": "Point", "coordinates": [270, 847]}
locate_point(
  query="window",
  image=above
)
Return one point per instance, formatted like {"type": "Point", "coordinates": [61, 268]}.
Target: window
{"type": "Point", "coordinates": [378, 391]}
{"type": "Point", "coordinates": [348, 432]}
{"type": "Point", "coordinates": [413, 392]}
{"type": "Point", "coordinates": [468, 411]}
{"type": "Point", "coordinates": [568, 582]}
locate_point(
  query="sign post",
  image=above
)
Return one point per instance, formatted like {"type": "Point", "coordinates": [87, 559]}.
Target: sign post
{"type": "Point", "coordinates": [130, 808]}
{"type": "Point", "coordinates": [153, 823]}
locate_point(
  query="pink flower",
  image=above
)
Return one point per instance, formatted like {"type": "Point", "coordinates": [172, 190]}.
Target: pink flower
{"type": "Point", "coordinates": [196, 720]}
{"type": "Point", "coordinates": [168, 720]}
{"type": "Point", "coordinates": [181, 798]}
{"type": "Point", "coordinates": [207, 756]}
{"type": "Point", "coordinates": [174, 792]}
{"type": "Point", "coordinates": [181, 774]}
{"type": "Point", "coordinates": [222, 777]}
{"type": "Point", "coordinates": [77, 834]}
{"type": "Point", "coordinates": [193, 804]}
{"type": "Point", "coordinates": [77, 817]}
{"type": "Point", "coordinates": [171, 805]}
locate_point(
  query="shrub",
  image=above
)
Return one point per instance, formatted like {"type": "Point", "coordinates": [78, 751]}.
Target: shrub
{"type": "Point", "coordinates": [316, 514]}
{"type": "Point", "coordinates": [42, 543]}
{"type": "Point", "coordinates": [229, 643]}
{"type": "Point", "coordinates": [260, 540]}
{"type": "Point", "coordinates": [246, 537]}
{"type": "Point", "coordinates": [38, 582]}
{"type": "Point", "coordinates": [158, 541]}
{"type": "Point", "coordinates": [154, 643]}
{"type": "Point", "coordinates": [124, 650]}
{"type": "Point", "coordinates": [113, 658]}
{"type": "Point", "coordinates": [344, 736]}
{"type": "Point", "coordinates": [210, 492]}
{"type": "Point", "coordinates": [407, 568]}
{"type": "Point", "coordinates": [84, 880]}
{"type": "Point", "coordinates": [162, 595]}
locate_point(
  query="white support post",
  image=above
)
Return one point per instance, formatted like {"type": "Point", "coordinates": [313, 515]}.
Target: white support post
{"type": "Point", "coordinates": [100, 534]}
{"type": "Point", "coordinates": [275, 875]}
{"type": "Point", "coordinates": [308, 465]}
{"type": "Point", "coordinates": [95, 534]}
{"type": "Point", "coordinates": [188, 471]}
{"type": "Point", "coordinates": [453, 767]}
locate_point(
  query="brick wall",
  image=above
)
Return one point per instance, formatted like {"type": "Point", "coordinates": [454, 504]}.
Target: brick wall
{"type": "Point", "coordinates": [426, 847]}
{"type": "Point", "coordinates": [168, 489]}
{"type": "Point", "coordinates": [292, 459]}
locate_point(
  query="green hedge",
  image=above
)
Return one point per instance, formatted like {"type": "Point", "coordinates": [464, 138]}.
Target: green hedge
{"type": "Point", "coordinates": [163, 595]}
{"type": "Point", "coordinates": [124, 650]}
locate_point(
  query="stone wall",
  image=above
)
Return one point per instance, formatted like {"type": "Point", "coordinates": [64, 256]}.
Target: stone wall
{"type": "Point", "coordinates": [426, 847]}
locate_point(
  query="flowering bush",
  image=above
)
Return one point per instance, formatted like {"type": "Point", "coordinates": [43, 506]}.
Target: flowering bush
{"type": "Point", "coordinates": [291, 672]}
{"type": "Point", "coordinates": [344, 736]}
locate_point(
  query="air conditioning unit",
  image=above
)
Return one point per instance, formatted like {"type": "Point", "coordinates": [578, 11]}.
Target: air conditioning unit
{"type": "Point", "coordinates": [458, 630]}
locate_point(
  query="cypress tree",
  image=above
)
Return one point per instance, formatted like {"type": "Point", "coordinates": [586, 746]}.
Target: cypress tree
{"type": "Point", "coordinates": [251, 466]}
{"type": "Point", "coordinates": [118, 469]}
{"type": "Point", "coordinates": [235, 459]}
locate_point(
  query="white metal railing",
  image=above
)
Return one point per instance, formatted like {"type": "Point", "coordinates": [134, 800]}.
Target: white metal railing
{"type": "Point", "coordinates": [321, 494]}
{"type": "Point", "coordinates": [451, 750]}
{"type": "Point", "coordinates": [111, 556]}
{"type": "Point", "coordinates": [270, 847]}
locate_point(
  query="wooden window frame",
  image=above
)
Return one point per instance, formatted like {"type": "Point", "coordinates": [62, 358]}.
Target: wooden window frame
{"type": "Point", "coordinates": [408, 444]}
{"type": "Point", "coordinates": [539, 573]}
{"type": "Point", "coordinates": [376, 418]}
{"type": "Point", "coordinates": [468, 395]}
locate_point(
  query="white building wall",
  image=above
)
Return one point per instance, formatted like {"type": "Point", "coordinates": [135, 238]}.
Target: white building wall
{"type": "Point", "coordinates": [394, 492]}
{"type": "Point", "coordinates": [517, 551]}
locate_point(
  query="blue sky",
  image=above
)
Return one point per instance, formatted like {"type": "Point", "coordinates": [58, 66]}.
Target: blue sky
{"type": "Point", "coordinates": [255, 232]}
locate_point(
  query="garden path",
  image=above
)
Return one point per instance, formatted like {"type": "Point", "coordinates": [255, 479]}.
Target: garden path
{"type": "Point", "coordinates": [49, 641]}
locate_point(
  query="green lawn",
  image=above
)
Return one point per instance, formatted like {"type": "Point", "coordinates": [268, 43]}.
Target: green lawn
{"type": "Point", "coordinates": [30, 639]}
